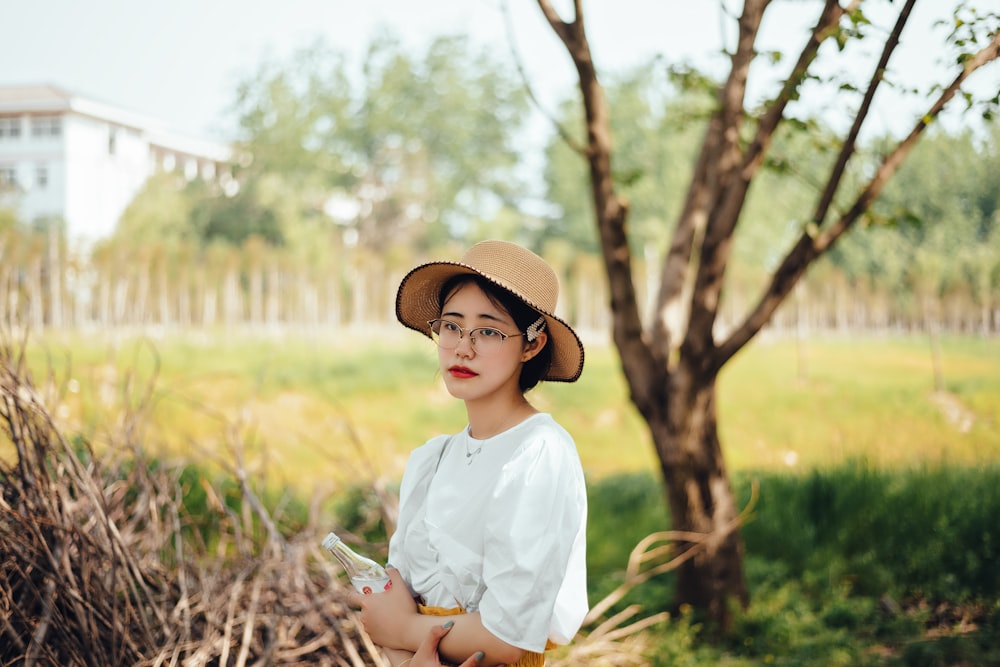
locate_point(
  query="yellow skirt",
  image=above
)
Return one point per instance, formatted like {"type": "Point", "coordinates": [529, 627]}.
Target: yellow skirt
{"type": "Point", "coordinates": [528, 660]}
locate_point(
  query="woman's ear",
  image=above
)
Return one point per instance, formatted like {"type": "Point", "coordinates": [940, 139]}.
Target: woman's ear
{"type": "Point", "coordinates": [532, 349]}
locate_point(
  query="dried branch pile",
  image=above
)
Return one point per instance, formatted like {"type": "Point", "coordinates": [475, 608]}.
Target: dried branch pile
{"type": "Point", "coordinates": [101, 564]}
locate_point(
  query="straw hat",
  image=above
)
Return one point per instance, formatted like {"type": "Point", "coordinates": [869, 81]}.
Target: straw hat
{"type": "Point", "coordinates": [508, 265]}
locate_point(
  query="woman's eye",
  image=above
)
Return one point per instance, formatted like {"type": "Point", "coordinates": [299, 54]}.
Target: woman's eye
{"type": "Point", "coordinates": [489, 333]}
{"type": "Point", "coordinates": [451, 326]}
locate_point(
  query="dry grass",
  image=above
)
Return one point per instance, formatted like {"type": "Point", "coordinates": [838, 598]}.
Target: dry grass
{"type": "Point", "coordinates": [102, 564]}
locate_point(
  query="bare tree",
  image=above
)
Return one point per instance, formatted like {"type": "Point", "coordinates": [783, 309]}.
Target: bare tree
{"type": "Point", "coordinates": [672, 367]}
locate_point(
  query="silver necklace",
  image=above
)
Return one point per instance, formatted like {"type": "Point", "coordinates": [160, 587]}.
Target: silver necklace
{"type": "Point", "coordinates": [470, 455]}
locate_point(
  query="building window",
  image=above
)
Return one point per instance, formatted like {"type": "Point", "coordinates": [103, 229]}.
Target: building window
{"type": "Point", "coordinates": [8, 177]}
{"type": "Point", "coordinates": [10, 127]}
{"type": "Point", "coordinates": [41, 176]}
{"type": "Point", "coordinates": [46, 126]}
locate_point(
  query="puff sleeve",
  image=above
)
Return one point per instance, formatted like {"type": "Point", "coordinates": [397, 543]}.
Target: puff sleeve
{"type": "Point", "coordinates": [534, 566]}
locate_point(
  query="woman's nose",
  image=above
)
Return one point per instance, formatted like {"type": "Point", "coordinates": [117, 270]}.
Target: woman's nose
{"type": "Point", "coordinates": [465, 345]}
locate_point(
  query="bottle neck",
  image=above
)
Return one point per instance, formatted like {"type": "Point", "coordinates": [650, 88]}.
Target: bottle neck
{"type": "Point", "coordinates": [342, 551]}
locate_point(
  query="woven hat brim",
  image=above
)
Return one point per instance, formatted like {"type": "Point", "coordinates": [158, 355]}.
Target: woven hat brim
{"type": "Point", "coordinates": [417, 303]}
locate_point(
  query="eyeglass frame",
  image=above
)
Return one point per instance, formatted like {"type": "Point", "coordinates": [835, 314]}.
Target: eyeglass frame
{"type": "Point", "coordinates": [436, 337]}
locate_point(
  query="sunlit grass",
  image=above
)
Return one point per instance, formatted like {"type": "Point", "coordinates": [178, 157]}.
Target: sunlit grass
{"type": "Point", "coordinates": [305, 409]}
{"type": "Point", "coordinates": [870, 399]}
{"type": "Point", "coordinates": [873, 516]}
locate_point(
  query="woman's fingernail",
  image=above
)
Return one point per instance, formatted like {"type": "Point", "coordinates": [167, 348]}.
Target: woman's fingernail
{"type": "Point", "coordinates": [448, 624]}
{"type": "Point", "coordinates": [480, 656]}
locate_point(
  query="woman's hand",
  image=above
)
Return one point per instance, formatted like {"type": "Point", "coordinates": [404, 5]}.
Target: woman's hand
{"type": "Point", "coordinates": [385, 615]}
{"type": "Point", "coordinates": [427, 654]}
{"type": "Point", "coordinates": [393, 621]}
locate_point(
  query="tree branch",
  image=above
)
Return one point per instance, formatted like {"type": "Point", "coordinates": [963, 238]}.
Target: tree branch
{"type": "Point", "coordinates": [814, 242]}
{"type": "Point", "coordinates": [643, 370]}
{"type": "Point", "coordinates": [716, 201]}
{"type": "Point", "coordinates": [722, 209]}
{"type": "Point", "coordinates": [561, 28]}
{"type": "Point", "coordinates": [775, 113]}
{"type": "Point", "coordinates": [850, 143]}
{"type": "Point", "coordinates": [563, 133]}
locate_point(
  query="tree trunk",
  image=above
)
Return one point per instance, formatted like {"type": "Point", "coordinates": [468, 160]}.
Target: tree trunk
{"type": "Point", "coordinates": [677, 403]}
{"type": "Point", "coordinates": [141, 313]}
{"type": "Point", "coordinates": [120, 301]}
{"type": "Point", "coordinates": [671, 370]}
{"type": "Point", "coordinates": [55, 270]}
{"type": "Point", "coordinates": [700, 497]}
{"type": "Point", "coordinates": [6, 281]}
{"type": "Point", "coordinates": [931, 326]}
{"type": "Point", "coordinates": [272, 307]}
{"type": "Point", "coordinates": [36, 303]}
{"type": "Point", "coordinates": [183, 291]}
{"type": "Point", "coordinates": [256, 296]}
{"type": "Point", "coordinates": [232, 308]}
{"type": "Point", "coordinates": [164, 289]}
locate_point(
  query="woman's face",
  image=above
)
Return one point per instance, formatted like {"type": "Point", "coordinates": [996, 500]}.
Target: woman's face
{"type": "Point", "coordinates": [471, 376]}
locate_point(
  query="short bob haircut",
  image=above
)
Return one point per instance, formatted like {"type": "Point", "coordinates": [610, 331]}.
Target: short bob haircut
{"type": "Point", "coordinates": [536, 368]}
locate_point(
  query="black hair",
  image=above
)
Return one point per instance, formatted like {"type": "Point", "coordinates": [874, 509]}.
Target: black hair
{"type": "Point", "coordinates": [536, 368]}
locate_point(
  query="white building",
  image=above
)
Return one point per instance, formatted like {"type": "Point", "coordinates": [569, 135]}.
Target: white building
{"type": "Point", "coordinates": [69, 158]}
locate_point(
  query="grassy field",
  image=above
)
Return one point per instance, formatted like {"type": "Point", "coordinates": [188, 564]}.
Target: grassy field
{"type": "Point", "coordinates": [304, 410]}
{"type": "Point", "coordinates": [874, 540]}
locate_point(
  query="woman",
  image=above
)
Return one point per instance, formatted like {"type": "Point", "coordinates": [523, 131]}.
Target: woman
{"type": "Point", "coordinates": [492, 519]}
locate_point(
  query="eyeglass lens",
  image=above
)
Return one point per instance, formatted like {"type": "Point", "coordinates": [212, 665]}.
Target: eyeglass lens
{"type": "Point", "coordinates": [486, 340]}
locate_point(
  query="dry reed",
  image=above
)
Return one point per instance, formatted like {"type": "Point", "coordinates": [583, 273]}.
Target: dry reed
{"type": "Point", "coordinates": [101, 563]}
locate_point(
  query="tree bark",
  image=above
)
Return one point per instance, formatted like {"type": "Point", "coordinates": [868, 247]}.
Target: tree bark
{"type": "Point", "coordinates": [677, 403]}
{"type": "Point", "coordinates": [700, 496]}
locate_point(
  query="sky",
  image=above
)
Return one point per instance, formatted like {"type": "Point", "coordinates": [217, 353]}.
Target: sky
{"type": "Point", "coordinates": [180, 61]}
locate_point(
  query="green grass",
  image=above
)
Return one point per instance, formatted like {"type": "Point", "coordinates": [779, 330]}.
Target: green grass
{"type": "Point", "coordinates": [308, 409]}
{"type": "Point", "coordinates": [846, 566]}
{"type": "Point", "coordinates": [870, 399]}
{"type": "Point", "coordinates": [872, 486]}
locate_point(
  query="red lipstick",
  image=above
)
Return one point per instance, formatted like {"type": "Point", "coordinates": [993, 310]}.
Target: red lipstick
{"type": "Point", "coordinates": [461, 372]}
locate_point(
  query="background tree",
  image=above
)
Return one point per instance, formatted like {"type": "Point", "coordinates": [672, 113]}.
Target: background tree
{"type": "Point", "coordinates": [413, 146]}
{"type": "Point", "coordinates": [362, 168]}
{"type": "Point", "coordinates": [672, 366]}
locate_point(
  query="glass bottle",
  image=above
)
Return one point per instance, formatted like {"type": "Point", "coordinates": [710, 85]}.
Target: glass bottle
{"type": "Point", "coordinates": [366, 575]}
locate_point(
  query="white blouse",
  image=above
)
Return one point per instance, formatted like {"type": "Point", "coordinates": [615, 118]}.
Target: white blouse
{"type": "Point", "coordinates": [498, 526]}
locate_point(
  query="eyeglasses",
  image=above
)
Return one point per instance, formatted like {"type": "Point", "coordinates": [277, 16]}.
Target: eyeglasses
{"type": "Point", "coordinates": [485, 340]}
